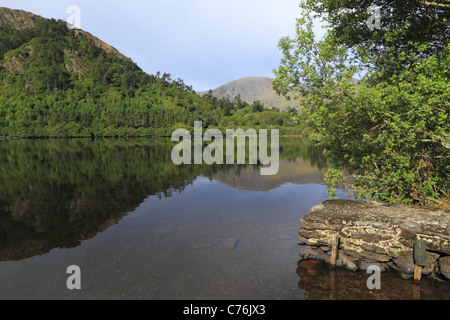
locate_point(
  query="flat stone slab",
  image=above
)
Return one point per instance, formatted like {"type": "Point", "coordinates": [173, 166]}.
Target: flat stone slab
{"type": "Point", "coordinates": [381, 233]}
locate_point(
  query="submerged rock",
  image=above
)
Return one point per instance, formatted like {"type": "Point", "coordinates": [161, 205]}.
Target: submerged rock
{"type": "Point", "coordinates": [230, 243]}
{"type": "Point", "coordinates": [203, 245]}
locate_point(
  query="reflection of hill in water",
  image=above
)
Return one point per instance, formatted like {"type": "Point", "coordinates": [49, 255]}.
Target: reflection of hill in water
{"type": "Point", "coordinates": [298, 171]}
{"type": "Point", "coordinates": [37, 243]}
{"type": "Point", "coordinates": [57, 193]}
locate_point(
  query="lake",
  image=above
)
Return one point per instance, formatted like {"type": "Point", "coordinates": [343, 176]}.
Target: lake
{"type": "Point", "coordinates": [140, 227]}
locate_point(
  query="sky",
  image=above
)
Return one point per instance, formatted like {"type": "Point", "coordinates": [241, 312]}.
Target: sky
{"type": "Point", "coordinates": [207, 43]}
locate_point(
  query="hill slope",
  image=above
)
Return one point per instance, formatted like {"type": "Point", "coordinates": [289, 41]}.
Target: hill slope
{"type": "Point", "coordinates": [61, 82]}
{"type": "Point", "coordinates": [18, 18]}
{"type": "Point", "coordinates": [251, 89]}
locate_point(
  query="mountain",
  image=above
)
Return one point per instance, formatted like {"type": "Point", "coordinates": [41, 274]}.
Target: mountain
{"type": "Point", "coordinates": [251, 89]}
{"type": "Point", "coordinates": [18, 18]}
{"type": "Point", "coordinates": [298, 171]}
{"type": "Point", "coordinates": [61, 82]}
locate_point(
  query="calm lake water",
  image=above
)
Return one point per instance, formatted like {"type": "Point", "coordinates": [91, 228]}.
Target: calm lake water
{"type": "Point", "coordinates": [140, 227]}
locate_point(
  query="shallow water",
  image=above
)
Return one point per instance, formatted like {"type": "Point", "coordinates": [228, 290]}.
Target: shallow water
{"type": "Point", "coordinates": [141, 228]}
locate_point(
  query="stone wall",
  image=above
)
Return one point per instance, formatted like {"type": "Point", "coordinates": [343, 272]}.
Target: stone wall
{"type": "Point", "coordinates": [371, 233]}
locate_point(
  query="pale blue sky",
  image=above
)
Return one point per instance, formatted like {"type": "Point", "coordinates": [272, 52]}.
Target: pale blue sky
{"type": "Point", "coordinates": [204, 42]}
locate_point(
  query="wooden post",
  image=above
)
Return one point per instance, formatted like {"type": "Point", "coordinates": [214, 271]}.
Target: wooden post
{"type": "Point", "coordinates": [334, 249]}
{"type": "Point", "coordinates": [417, 273]}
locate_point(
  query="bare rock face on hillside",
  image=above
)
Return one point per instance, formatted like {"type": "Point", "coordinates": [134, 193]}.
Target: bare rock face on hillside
{"type": "Point", "coordinates": [377, 234]}
{"type": "Point", "coordinates": [18, 18]}
{"type": "Point", "coordinates": [251, 89]}
{"type": "Point", "coordinates": [248, 88]}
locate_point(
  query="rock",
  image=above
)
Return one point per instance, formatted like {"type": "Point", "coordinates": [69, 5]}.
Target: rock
{"type": "Point", "coordinates": [420, 253]}
{"type": "Point", "coordinates": [444, 266]}
{"type": "Point", "coordinates": [383, 229]}
{"type": "Point", "coordinates": [230, 243]}
{"type": "Point", "coordinates": [431, 263]}
{"type": "Point", "coordinates": [307, 241]}
{"type": "Point", "coordinates": [317, 208]}
{"type": "Point", "coordinates": [314, 254]}
{"type": "Point", "coordinates": [368, 255]}
{"type": "Point", "coordinates": [365, 264]}
{"type": "Point", "coordinates": [347, 262]}
{"type": "Point", "coordinates": [205, 245]}
{"type": "Point", "coordinates": [343, 260]}
{"type": "Point", "coordinates": [325, 248]}
{"type": "Point", "coordinates": [378, 234]}
{"type": "Point", "coordinates": [406, 276]}
{"type": "Point", "coordinates": [405, 262]}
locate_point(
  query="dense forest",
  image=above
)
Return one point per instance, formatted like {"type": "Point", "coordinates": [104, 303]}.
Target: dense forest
{"type": "Point", "coordinates": [55, 82]}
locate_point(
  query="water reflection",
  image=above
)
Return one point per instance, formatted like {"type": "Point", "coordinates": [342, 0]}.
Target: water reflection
{"type": "Point", "coordinates": [57, 193]}
{"type": "Point", "coordinates": [320, 282]}
{"type": "Point", "coordinates": [140, 227]}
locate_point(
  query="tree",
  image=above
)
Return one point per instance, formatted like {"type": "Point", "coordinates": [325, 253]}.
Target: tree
{"type": "Point", "coordinates": [404, 27]}
{"type": "Point", "coordinates": [257, 106]}
{"type": "Point", "coordinates": [59, 84]}
{"type": "Point", "coordinates": [391, 129]}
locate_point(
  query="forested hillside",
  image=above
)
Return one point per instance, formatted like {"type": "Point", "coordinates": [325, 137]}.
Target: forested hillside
{"type": "Point", "coordinates": [58, 82]}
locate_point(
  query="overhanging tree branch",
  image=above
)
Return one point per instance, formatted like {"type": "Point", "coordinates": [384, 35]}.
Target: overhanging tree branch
{"type": "Point", "coordinates": [435, 4]}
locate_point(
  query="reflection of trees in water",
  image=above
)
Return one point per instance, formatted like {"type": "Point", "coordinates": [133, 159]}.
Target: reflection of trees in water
{"type": "Point", "coordinates": [56, 193]}
{"type": "Point", "coordinates": [292, 148]}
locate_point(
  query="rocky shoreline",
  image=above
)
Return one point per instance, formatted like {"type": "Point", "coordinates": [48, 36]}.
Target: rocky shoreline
{"type": "Point", "coordinates": [383, 235]}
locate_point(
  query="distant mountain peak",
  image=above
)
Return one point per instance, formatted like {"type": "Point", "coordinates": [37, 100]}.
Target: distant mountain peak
{"type": "Point", "coordinates": [251, 89]}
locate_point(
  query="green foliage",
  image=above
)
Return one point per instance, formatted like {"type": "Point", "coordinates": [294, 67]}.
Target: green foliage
{"type": "Point", "coordinates": [391, 129]}
{"type": "Point", "coordinates": [333, 178]}
{"type": "Point", "coordinates": [57, 83]}
{"type": "Point", "coordinates": [11, 38]}
{"type": "Point", "coordinates": [405, 26]}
